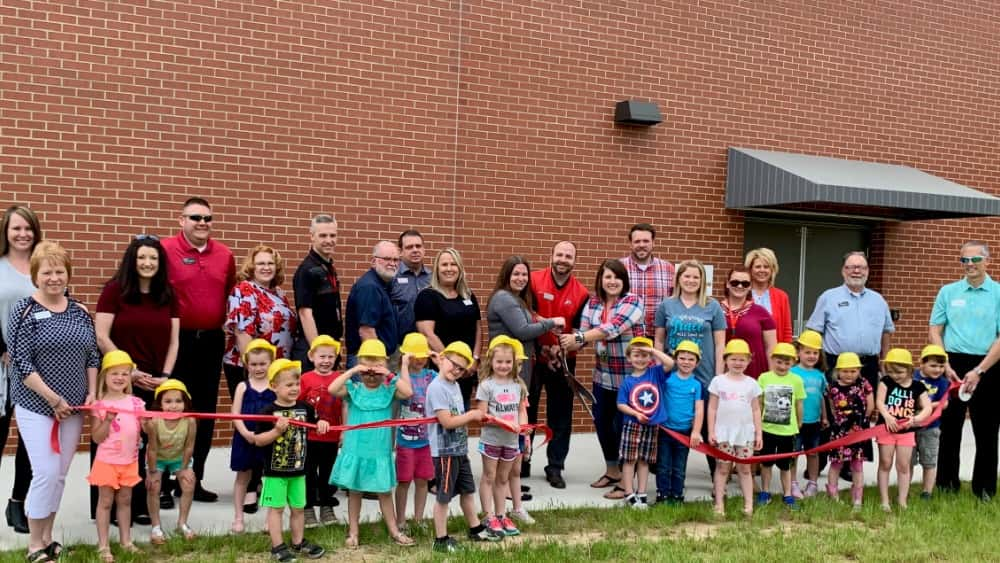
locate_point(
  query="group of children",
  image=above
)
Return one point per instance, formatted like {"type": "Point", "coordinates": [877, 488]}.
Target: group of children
{"type": "Point", "coordinates": [298, 456]}
{"type": "Point", "coordinates": [791, 408]}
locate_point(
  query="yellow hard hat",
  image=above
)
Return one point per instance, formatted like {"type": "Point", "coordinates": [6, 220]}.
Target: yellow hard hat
{"type": "Point", "coordinates": [518, 350]}
{"type": "Point", "coordinates": [848, 360]}
{"type": "Point", "coordinates": [688, 346]}
{"type": "Point", "coordinates": [415, 344]}
{"type": "Point", "coordinates": [325, 340]}
{"type": "Point", "coordinates": [459, 348]}
{"type": "Point", "coordinates": [372, 348]}
{"type": "Point", "coordinates": [280, 365]}
{"type": "Point", "coordinates": [811, 339]}
{"type": "Point", "coordinates": [504, 340]}
{"type": "Point", "coordinates": [933, 350]}
{"type": "Point", "coordinates": [171, 385]}
{"type": "Point", "coordinates": [116, 358]}
{"type": "Point", "coordinates": [899, 356]}
{"type": "Point", "coordinates": [737, 346]}
{"type": "Point", "coordinates": [259, 344]}
{"type": "Point", "coordinates": [640, 341]}
{"type": "Point", "coordinates": [784, 349]}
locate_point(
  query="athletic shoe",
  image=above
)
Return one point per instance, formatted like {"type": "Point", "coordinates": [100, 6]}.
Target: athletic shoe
{"type": "Point", "coordinates": [495, 525]}
{"type": "Point", "coordinates": [283, 554]}
{"type": "Point", "coordinates": [810, 489]}
{"type": "Point", "coordinates": [447, 545]}
{"type": "Point", "coordinates": [796, 491]}
{"type": "Point", "coordinates": [326, 515]}
{"type": "Point", "coordinates": [486, 535]}
{"type": "Point", "coordinates": [790, 502]}
{"type": "Point", "coordinates": [522, 516]}
{"type": "Point", "coordinates": [509, 529]}
{"type": "Point", "coordinates": [925, 495]}
{"type": "Point", "coordinates": [763, 498]}
{"type": "Point", "coordinates": [311, 520]}
{"type": "Point", "coordinates": [309, 549]}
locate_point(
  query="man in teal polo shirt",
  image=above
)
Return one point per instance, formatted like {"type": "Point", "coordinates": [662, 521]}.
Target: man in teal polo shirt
{"type": "Point", "coordinates": [965, 321]}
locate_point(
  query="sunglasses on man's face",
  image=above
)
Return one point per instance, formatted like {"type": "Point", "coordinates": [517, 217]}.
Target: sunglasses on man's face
{"type": "Point", "coordinates": [200, 218]}
{"type": "Point", "coordinates": [739, 283]}
{"type": "Point", "coordinates": [971, 259]}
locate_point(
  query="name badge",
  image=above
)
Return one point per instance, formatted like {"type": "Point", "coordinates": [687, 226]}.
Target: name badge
{"type": "Point", "coordinates": [467, 302]}
{"type": "Point", "coordinates": [958, 302]}
{"type": "Point", "coordinates": [189, 261]}
{"type": "Point", "coordinates": [42, 315]}
{"type": "Point", "coordinates": [548, 296]}
{"type": "Point", "coordinates": [843, 304]}
{"type": "Point", "coordinates": [402, 280]}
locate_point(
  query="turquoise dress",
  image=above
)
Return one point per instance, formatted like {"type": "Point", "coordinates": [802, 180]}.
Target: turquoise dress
{"type": "Point", "coordinates": [366, 461]}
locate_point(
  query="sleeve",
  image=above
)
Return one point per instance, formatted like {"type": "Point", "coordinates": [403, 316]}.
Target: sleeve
{"type": "Point", "coordinates": [241, 309]}
{"type": "Point", "coordinates": [718, 317]}
{"type": "Point", "coordinates": [713, 387]}
{"type": "Point", "coordinates": [888, 326]}
{"type": "Point", "coordinates": [785, 312]}
{"type": "Point", "coordinates": [585, 316]}
{"type": "Point", "coordinates": [20, 340]}
{"type": "Point", "coordinates": [919, 390]}
{"type": "Point", "coordinates": [766, 320]}
{"type": "Point", "coordinates": [512, 315]}
{"type": "Point", "coordinates": [86, 324]}
{"type": "Point", "coordinates": [628, 313]}
{"type": "Point", "coordinates": [364, 297]}
{"type": "Point", "coordinates": [866, 387]}
{"type": "Point", "coordinates": [304, 286]}
{"type": "Point", "coordinates": [110, 299]}
{"type": "Point", "coordinates": [799, 389]}
{"type": "Point", "coordinates": [755, 390]}
{"type": "Point", "coordinates": [483, 390]}
{"type": "Point", "coordinates": [817, 321]}
{"type": "Point", "coordinates": [660, 318]}
{"type": "Point", "coordinates": [436, 400]}
{"type": "Point", "coordinates": [475, 305]}
{"type": "Point", "coordinates": [425, 307]}
{"type": "Point", "coordinates": [939, 312]}
{"type": "Point", "coordinates": [231, 273]}
{"type": "Point", "coordinates": [578, 315]}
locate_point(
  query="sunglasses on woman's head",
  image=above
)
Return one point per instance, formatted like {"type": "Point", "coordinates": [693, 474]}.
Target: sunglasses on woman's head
{"type": "Point", "coordinates": [153, 238]}
{"type": "Point", "coordinates": [739, 283]}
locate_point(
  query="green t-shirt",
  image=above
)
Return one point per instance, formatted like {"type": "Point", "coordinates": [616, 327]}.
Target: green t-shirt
{"type": "Point", "coordinates": [780, 394]}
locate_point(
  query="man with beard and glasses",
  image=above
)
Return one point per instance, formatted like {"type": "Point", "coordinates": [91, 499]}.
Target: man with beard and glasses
{"type": "Point", "coordinates": [557, 293]}
{"type": "Point", "coordinates": [370, 312]}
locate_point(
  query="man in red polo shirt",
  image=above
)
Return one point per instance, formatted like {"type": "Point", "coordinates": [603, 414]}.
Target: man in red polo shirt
{"type": "Point", "coordinates": [202, 272]}
{"type": "Point", "coordinates": [557, 293]}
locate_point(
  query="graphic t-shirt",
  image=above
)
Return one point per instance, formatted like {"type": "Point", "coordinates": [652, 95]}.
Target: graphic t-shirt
{"type": "Point", "coordinates": [503, 402]}
{"type": "Point", "coordinates": [937, 388]}
{"type": "Point", "coordinates": [734, 415]}
{"type": "Point", "coordinates": [643, 393]}
{"type": "Point", "coordinates": [121, 447]}
{"type": "Point", "coordinates": [680, 395]}
{"type": "Point", "coordinates": [446, 395]}
{"type": "Point", "coordinates": [694, 323]}
{"type": "Point", "coordinates": [779, 416]}
{"type": "Point", "coordinates": [902, 402]}
{"type": "Point", "coordinates": [814, 382]}
{"type": "Point", "coordinates": [286, 455]}
{"type": "Point", "coordinates": [415, 436]}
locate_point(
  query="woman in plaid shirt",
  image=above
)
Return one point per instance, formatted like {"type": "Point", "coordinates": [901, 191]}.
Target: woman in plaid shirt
{"type": "Point", "coordinates": [611, 318]}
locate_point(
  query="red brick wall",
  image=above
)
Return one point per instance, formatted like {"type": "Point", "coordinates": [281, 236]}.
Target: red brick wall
{"type": "Point", "coordinates": [488, 125]}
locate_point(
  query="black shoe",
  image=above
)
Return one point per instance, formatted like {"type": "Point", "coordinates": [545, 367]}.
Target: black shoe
{"type": "Point", "coordinates": [525, 469]}
{"type": "Point", "coordinates": [142, 519]}
{"type": "Point", "coordinates": [525, 488]}
{"type": "Point", "coordinates": [554, 477]}
{"type": "Point", "coordinates": [251, 508]}
{"type": "Point", "coordinates": [203, 495]}
{"type": "Point", "coordinates": [166, 501]}
{"type": "Point", "coordinates": [16, 518]}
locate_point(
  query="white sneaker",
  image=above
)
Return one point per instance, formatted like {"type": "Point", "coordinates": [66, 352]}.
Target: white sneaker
{"type": "Point", "coordinates": [522, 516]}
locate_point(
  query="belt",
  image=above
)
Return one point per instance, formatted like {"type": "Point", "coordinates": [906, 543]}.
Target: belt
{"type": "Point", "coordinates": [200, 332]}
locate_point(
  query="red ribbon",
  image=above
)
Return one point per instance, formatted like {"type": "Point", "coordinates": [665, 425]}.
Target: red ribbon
{"type": "Point", "coordinates": [852, 438]}
{"type": "Point", "coordinates": [54, 436]}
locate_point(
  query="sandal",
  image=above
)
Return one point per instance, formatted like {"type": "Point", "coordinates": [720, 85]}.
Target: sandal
{"type": "Point", "coordinates": [54, 550]}
{"type": "Point", "coordinates": [187, 532]}
{"type": "Point", "coordinates": [131, 548]}
{"type": "Point", "coordinates": [351, 542]}
{"type": "Point", "coordinates": [156, 536]}
{"type": "Point", "coordinates": [105, 555]}
{"type": "Point", "coordinates": [40, 556]}
{"type": "Point", "coordinates": [403, 540]}
{"type": "Point", "coordinates": [617, 493]}
{"type": "Point", "coordinates": [605, 481]}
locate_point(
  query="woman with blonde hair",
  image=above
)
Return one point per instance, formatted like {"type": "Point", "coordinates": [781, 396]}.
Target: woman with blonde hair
{"type": "Point", "coordinates": [763, 265]}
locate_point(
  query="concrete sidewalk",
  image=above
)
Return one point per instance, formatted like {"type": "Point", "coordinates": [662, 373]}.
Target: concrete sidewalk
{"type": "Point", "coordinates": [583, 466]}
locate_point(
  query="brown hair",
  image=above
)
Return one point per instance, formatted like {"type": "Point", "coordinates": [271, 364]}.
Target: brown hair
{"type": "Point", "coordinates": [619, 271]}
{"type": "Point", "coordinates": [28, 215]}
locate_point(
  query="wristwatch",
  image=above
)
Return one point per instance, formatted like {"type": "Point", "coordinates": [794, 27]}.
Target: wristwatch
{"type": "Point", "coordinates": [979, 371]}
{"type": "Point", "coordinates": [579, 337]}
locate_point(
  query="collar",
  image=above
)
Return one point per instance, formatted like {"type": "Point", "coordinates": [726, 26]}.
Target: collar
{"type": "Point", "coordinates": [319, 257]}
{"type": "Point", "coordinates": [966, 286]}
{"type": "Point", "coordinates": [424, 271]}
{"type": "Point", "coordinates": [552, 277]}
{"type": "Point", "coordinates": [861, 293]}
{"type": "Point", "coordinates": [186, 245]}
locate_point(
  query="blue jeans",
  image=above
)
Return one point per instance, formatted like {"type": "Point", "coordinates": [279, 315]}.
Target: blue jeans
{"type": "Point", "coordinates": [671, 466]}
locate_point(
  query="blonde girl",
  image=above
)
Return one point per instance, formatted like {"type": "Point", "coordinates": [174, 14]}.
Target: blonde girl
{"type": "Point", "coordinates": [501, 394]}
{"type": "Point", "coordinates": [811, 369]}
{"type": "Point", "coordinates": [251, 395]}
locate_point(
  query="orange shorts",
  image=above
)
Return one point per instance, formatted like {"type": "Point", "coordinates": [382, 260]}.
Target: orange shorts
{"type": "Point", "coordinates": [115, 476]}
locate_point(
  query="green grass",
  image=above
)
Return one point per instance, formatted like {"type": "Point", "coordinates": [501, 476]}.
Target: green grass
{"type": "Point", "coordinates": [947, 528]}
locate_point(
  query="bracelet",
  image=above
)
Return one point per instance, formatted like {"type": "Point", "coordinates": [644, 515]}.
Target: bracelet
{"type": "Point", "coordinates": [579, 337]}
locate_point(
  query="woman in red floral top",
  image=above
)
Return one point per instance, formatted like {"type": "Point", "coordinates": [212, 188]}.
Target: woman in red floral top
{"type": "Point", "coordinates": [257, 308]}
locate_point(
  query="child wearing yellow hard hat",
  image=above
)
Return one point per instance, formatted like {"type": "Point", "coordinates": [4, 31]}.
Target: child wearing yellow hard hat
{"type": "Point", "coordinates": [685, 415]}
{"type": "Point", "coordinates": [170, 450]}
{"type": "Point", "coordinates": [251, 396]}
{"type": "Point", "coordinates": [933, 361]}
{"type": "Point", "coordinates": [898, 398]}
{"type": "Point", "coordinates": [783, 394]}
{"type": "Point", "coordinates": [413, 450]}
{"type": "Point", "coordinates": [811, 368]}
{"type": "Point", "coordinates": [365, 461]}
{"type": "Point", "coordinates": [322, 451]}
{"type": "Point", "coordinates": [851, 402]}
{"type": "Point", "coordinates": [734, 421]}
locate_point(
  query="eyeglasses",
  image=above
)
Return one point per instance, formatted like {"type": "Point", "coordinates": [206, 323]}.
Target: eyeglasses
{"type": "Point", "coordinates": [739, 283]}
{"type": "Point", "coordinates": [971, 259]}
{"type": "Point", "coordinates": [859, 268]}
{"type": "Point", "coordinates": [454, 364]}
{"type": "Point", "coordinates": [200, 218]}
{"type": "Point", "coordinates": [388, 259]}
{"type": "Point", "coordinates": [153, 238]}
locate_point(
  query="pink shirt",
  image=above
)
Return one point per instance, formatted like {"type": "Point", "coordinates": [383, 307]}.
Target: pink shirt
{"type": "Point", "coordinates": [121, 447]}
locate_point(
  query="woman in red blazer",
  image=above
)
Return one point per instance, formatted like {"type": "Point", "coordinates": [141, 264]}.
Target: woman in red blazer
{"type": "Point", "coordinates": [763, 265]}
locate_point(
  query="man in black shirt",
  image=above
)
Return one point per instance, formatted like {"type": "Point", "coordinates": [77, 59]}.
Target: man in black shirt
{"type": "Point", "coordinates": [317, 290]}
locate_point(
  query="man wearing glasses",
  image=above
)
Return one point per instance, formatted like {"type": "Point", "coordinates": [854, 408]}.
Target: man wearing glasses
{"type": "Point", "coordinates": [202, 272]}
{"type": "Point", "coordinates": [370, 312]}
{"type": "Point", "coordinates": [965, 321]}
{"type": "Point", "coordinates": [853, 318]}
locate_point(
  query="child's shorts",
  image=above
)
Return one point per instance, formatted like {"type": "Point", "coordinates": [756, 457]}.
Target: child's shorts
{"type": "Point", "coordinates": [638, 443]}
{"type": "Point", "coordinates": [414, 463]}
{"type": "Point", "coordinates": [454, 477]}
{"type": "Point", "coordinates": [279, 492]}
{"type": "Point", "coordinates": [809, 436]}
{"type": "Point", "coordinates": [113, 475]}
{"type": "Point", "coordinates": [502, 453]}
{"type": "Point", "coordinates": [905, 439]}
{"type": "Point", "coordinates": [740, 451]}
{"type": "Point", "coordinates": [776, 444]}
{"type": "Point", "coordinates": [172, 466]}
{"type": "Point", "coordinates": [926, 453]}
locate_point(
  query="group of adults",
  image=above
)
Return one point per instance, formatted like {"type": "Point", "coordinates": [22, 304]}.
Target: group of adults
{"type": "Point", "coordinates": [181, 308]}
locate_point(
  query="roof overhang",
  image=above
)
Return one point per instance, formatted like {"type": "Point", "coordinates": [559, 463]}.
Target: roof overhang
{"type": "Point", "coordinates": [787, 182]}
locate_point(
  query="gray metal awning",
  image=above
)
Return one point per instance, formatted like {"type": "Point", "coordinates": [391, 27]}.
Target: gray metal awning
{"type": "Point", "coordinates": [769, 180]}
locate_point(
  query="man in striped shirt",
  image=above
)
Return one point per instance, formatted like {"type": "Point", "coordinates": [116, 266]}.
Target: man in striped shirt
{"type": "Point", "coordinates": [649, 277]}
